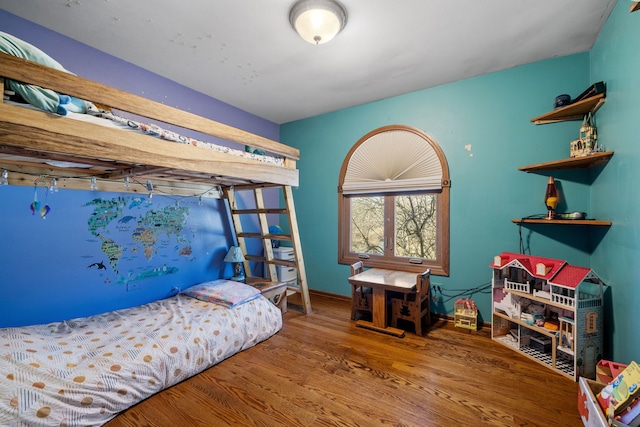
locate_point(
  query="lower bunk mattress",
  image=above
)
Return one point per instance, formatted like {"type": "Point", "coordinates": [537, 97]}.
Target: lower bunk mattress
{"type": "Point", "coordinates": [85, 371]}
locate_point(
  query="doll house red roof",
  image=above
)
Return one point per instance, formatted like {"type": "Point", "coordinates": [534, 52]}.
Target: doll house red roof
{"type": "Point", "coordinates": [571, 276]}
{"type": "Point", "coordinates": [557, 272]}
{"type": "Point", "coordinates": [529, 262]}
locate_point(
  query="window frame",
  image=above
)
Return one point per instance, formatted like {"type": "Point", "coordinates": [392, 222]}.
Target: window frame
{"type": "Point", "coordinates": [439, 265]}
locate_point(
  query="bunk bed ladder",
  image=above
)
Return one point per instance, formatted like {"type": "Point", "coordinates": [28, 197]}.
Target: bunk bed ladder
{"type": "Point", "coordinates": [270, 262]}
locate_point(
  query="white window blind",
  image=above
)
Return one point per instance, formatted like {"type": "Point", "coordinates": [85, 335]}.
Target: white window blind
{"type": "Point", "coordinates": [393, 161]}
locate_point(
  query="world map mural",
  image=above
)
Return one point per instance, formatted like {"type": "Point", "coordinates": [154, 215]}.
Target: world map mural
{"type": "Point", "coordinates": [128, 228]}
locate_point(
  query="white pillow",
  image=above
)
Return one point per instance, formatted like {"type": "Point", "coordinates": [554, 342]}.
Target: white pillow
{"type": "Point", "coordinates": [223, 292]}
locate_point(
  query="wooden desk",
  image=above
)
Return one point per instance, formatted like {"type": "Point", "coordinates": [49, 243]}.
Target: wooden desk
{"type": "Point", "coordinates": [380, 281]}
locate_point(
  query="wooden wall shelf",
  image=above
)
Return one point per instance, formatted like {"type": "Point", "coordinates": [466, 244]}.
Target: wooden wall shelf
{"type": "Point", "coordinates": [570, 163]}
{"type": "Point", "coordinates": [575, 111]}
{"type": "Point", "coordinates": [593, 222]}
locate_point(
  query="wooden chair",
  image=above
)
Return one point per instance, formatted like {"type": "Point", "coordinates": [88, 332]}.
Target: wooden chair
{"type": "Point", "coordinates": [414, 306]}
{"type": "Point", "coordinates": [361, 296]}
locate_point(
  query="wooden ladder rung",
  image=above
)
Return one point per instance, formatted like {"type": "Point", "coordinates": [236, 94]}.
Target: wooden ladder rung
{"type": "Point", "coordinates": [281, 211]}
{"type": "Point", "coordinates": [256, 235]}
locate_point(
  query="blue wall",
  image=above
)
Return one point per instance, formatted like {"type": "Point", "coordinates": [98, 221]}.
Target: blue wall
{"type": "Point", "coordinates": [97, 251]}
{"type": "Point", "coordinates": [52, 268]}
{"type": "Point", "coordinates": [492, 113]}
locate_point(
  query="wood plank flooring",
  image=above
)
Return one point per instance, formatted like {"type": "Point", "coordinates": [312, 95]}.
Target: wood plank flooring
{"type": "Point", "coordinates": [320, 370]}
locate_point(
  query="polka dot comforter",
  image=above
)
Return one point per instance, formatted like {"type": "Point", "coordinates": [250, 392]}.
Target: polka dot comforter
{"type": "Point", "coordinates": [85, 371]}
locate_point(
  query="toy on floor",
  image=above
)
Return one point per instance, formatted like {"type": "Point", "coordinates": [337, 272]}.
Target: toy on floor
{"type": "Point", "coordinates": [466, 314]}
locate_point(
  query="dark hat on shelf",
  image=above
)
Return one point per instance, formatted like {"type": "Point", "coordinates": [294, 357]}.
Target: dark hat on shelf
{"type": "Point", "coordinates": [561, 101]}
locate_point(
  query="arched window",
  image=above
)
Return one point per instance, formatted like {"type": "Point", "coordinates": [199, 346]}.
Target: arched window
{"type": "Point", "coordinates": [394, 202]}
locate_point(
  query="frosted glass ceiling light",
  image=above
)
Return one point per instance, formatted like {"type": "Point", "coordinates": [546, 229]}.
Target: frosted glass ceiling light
{"type": "Point", "coordinates": [317, 21]}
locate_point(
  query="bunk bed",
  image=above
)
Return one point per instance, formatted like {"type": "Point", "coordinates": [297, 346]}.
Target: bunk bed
{"type": "Point", "coordinates": [31, 139]}
{"type": "Point", "coordinates": [55, 388]}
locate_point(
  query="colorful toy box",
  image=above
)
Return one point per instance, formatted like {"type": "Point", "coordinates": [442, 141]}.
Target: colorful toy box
{"type": "Point", "coordinates": [607, 370]}
{"type": "Point", "coordinates": [588, 406]}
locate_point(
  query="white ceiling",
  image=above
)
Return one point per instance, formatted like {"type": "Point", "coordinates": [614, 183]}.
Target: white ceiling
{"type": "Point", "coordinates": [245, 53]}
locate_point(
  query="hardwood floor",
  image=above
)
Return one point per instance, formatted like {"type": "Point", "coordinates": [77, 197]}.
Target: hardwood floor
{"type": "Point", "coordinates": [320, 370]}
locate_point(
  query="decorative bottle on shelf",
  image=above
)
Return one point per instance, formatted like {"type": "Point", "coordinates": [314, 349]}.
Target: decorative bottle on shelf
{"type": "Point", "coordinates": [551, 198]}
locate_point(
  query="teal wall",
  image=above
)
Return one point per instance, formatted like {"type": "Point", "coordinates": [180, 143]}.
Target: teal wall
{"type": "Point", "coordinates": [615, 58]}
{"type": "Point", "coordinates": [492, 113]}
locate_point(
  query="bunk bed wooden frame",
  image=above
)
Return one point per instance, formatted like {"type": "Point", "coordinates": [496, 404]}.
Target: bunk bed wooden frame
{"type": "Point", "coordinates": [29, 138]}
{"type": "Point", "coordinates": [41, 136]}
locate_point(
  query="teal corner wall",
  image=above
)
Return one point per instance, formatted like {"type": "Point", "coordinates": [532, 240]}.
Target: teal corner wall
{"type": "Point", "coordinates": [615, 59]}
{"type": "Point", "coordinates": [483, 126]}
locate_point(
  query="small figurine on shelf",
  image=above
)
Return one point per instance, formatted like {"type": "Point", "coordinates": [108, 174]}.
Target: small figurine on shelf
{"type": "Point", "coordinates": [551, 198]}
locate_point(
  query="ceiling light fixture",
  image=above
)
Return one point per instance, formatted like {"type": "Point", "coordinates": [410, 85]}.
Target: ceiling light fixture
{"type": "Point", "coordinates": [317, 21]}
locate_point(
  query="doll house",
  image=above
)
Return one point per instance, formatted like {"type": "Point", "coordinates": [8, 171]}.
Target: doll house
{"type": "Point", "coordinates": [466, 314]}
{"type": "Point", "coordinates": [549, 310]}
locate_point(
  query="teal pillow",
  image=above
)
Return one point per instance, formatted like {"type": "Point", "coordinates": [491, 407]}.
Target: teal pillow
{"type": "Point", "coordinates": [254, 150]}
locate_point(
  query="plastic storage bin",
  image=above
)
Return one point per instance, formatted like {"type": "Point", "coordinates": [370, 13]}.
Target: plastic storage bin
{"type": "Point", "coordinates": [283, 253]}
{"type": "Point", "coordinates": [286, 274]}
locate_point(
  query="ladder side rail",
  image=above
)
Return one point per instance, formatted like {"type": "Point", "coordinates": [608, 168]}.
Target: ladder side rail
{"type": "Point", "coordinates": [269, 268]}
{"type": "Point", "coordinates": [230, 195]}
{"type": "Point", "coordinates": [297, 248]}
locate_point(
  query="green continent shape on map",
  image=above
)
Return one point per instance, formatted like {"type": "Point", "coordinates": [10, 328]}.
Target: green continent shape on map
{"type": "Point", "coordinates": [169, 220]}
{"type": "Point", "coordinates": [112, 250]}
{"type": "Point", "coordinates": [104, 211]}
{"type": "Point", "coordinates": [148, 239]}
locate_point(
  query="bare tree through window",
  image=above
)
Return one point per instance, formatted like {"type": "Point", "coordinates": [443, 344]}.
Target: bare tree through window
{"type": "Point", "coordinates": [367, 225]}
{"type": "Point", "coordinates": [416, 226]}
{"type": "Point", "coordinates": [414, 233]}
